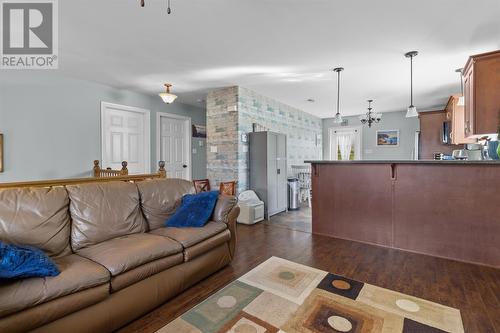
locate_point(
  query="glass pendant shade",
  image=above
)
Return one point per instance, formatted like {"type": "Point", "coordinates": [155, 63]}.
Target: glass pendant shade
{"type": "Point", "coordinates": [411, 112]}
{"type": "Point", "coordinates": [166, 96]}
{"type": "Point", "coordinates": [461, 99]}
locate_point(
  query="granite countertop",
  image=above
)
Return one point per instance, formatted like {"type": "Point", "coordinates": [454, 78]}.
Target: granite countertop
{"type": "Point", "coordinates": [447, 162]}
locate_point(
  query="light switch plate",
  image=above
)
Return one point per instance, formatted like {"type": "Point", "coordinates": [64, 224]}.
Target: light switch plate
{"type": "Point", "coordinates": [213, 149]}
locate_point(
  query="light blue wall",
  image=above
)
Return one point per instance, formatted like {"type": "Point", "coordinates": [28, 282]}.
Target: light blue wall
{"type": "Point", "coordinates": [370, 151]}
{"type": "Point", "coordinates": [51, 124]}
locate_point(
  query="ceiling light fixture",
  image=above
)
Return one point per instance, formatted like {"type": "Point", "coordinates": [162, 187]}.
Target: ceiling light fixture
{"type": "Point", "coordinates": [370, 117]}
{"type": "Point", "coordinates": [169, 10]}
{"type": "Point", "coordinates": [338, 117]}
{"type": "Point", "coordinates": [412, 110]}
{"type": "Point", "coordinates": [166, 96]}
{"type": "Point", "coordinates": [461, 99]}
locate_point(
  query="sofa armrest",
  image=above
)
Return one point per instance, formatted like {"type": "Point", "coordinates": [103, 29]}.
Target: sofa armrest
{"type": "Point", "coordinates": [227, 211]}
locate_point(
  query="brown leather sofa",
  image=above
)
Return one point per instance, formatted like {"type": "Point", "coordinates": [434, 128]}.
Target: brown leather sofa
{"type": "Point", "coordinates": [117, 260]}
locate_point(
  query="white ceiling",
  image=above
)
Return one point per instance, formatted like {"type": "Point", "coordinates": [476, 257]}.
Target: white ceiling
{"type": "Point", "coordinates": [280, 48]}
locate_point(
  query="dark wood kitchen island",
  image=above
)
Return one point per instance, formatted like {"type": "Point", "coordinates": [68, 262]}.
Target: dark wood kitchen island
{"type": "Point", "coordinates": [447, 209]}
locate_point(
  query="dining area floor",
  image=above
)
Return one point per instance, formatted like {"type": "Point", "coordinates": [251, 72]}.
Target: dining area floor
{"type": "Point", "coordinates": [298, 220]}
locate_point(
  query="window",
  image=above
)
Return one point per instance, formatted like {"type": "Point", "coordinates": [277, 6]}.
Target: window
{"type": "Point", "coordinates": [345, 143]}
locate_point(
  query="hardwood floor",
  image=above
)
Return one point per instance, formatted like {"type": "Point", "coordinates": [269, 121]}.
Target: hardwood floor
{"type": "Point", "coordinates": [475, 290]}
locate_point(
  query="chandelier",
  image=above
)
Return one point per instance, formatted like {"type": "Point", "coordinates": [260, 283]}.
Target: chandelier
{"type": "Point", "coordinates": [370, 117]}
{"type": "Point", "coordinates": [143, 3]}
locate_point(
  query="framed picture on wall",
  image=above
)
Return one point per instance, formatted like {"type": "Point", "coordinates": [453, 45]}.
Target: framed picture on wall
{"type": "Point", "coordinates": [199, 131]}
{"type": "Point", "coordinates": [388, 138]}
{"type": "Point", "coordinates": [1, 152]}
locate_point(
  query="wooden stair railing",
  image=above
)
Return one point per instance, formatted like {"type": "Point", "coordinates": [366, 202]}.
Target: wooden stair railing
{"type": "Point", "coordinates": [162, 173]}
{"type": "Point", "coordinates": [98, 172]}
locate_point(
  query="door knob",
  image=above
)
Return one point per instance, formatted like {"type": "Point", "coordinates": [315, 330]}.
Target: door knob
{"type": "Point", "coordinates": [184, 166]}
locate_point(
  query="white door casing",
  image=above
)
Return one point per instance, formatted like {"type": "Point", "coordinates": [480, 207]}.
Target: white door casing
{"type": "Point", "coordinates": [357, 131]}
{"type": "Point", "coordinates": [173, 144]}
{"type": "Point", "coordinates": [125, 136]}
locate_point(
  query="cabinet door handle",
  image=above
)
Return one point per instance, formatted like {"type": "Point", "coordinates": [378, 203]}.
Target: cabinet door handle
{"type": "Point", "coordinates": [279, 171]}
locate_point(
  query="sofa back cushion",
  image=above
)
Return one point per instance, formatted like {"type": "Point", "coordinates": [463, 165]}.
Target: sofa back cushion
{"type": "Point", "coordinates": [161, 197]}
{"type": "Point", "coordinates": [104, 211]}
{"type": "Point", "coordinates": [37, 217]}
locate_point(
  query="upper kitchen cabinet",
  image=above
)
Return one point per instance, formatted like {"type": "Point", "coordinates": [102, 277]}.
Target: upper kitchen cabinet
{"type": "Point", "coordinates": [481, 91]}
{"type": "Point", "coordinates": [456, 116]}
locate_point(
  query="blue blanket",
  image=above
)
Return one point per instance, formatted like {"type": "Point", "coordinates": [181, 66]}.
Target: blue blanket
{"type": "Point", "coordinates": [18, 262]}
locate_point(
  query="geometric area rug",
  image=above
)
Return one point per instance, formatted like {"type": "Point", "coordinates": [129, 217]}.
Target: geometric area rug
{"type": "Point", "coordinates": [280, 296]}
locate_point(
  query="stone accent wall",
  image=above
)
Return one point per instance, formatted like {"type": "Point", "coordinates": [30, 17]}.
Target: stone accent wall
{"type": "Point", "coordinates": [222, 132]}
{"type": "Point", "coordinates": [303, 131]}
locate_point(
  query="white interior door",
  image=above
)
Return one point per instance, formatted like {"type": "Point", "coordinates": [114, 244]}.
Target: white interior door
{"type": "Point", "coordinates": [174, 144]}
{"type": "Point", "coordinates": [125, 137]}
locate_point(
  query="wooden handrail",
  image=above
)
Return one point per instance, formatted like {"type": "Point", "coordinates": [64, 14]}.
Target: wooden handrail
{"type": "Point", "coordinates": [98, 172]}
{"type": "Point", "coordinates": [73, 181]}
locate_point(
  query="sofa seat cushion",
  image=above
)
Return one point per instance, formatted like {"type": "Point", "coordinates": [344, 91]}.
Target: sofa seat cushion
{"type": "Point", "coordinates": [47, 312]}
{"type": "Point", "coordinates": [77, 274]}
{"type": "Point", "coordinates": [191, 236]}
{"type": "Point", "coordinates": [203, 247]}
{"type": "Point", "coordinates": [144, 271]}
{"type": "Point", "coordinates": [124, 253]}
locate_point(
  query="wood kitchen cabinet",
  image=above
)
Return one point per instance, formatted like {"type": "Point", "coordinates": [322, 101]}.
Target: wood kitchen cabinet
{"type": "Point", "coordinates": [456, 115]}
{"type": "Point", "coordinates": [481, 91]}
{"type": "Point", "coordinates": [431, 131]}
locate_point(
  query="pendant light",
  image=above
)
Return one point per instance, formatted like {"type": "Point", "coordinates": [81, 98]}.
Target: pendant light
{"type": "Point", "coordinates": [166, 96]}
{"type": "Point", "coordinates": [338, 116]}
{"type": "Point", "coordinates": [412, 110]}
{"type": "Point", "coordinates": [461, 99]}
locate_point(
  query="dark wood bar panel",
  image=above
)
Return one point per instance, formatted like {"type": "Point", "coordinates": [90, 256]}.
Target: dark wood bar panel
{"type": "Point", "coordinates": [357, 202]}
{"type": "Point", "coordinates": [444, 209]}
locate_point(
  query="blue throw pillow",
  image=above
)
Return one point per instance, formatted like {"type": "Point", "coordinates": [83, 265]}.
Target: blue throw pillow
{"type": "Point", "coordinates": [194, 211]}
{"type": "Point", "coordinates": [18, 262]}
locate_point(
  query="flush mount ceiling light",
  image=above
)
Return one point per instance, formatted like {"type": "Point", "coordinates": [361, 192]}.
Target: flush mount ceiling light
{"type": "Point", "coordinates": [461, 99]}
{"type": "Point", "coordinates": [412, 110]}
{"type": "Point", "coordinates": [338, 117]}
{"type": "Point", "coordinates": [166, 96]}
{"type": "Point", "coordinates": [169, 10]}
{"type": "Point", "coordinates": [370, 117]}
